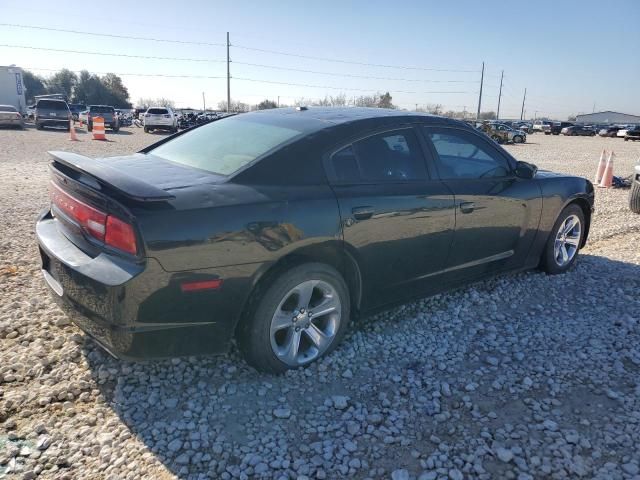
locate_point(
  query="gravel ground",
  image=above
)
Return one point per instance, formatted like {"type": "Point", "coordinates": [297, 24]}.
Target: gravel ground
{"type": "Point", "coordinates": [524, 376]}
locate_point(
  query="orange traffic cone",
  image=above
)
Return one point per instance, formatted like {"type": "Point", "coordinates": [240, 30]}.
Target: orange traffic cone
{"type": "Point", "coordinates": [98, 129]}
{"type": "Point", "coordinates": [80, 120]}
{"type": "Point", "coordinates": [601, 165]}
{"type": "Point", "coordinates": [607, 177]}
{"type": "Point", "coordinates": [72, 132]}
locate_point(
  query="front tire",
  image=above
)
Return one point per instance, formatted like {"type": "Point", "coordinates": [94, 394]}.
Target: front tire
{"type": "Point", "coordinates": [518, 139]}
{"type": "Point", "coordinates": [565, 240]}
{"type": "Point", "coordinates": [300, 316]}
{"type": "Point", "coordinates": [634, 197]}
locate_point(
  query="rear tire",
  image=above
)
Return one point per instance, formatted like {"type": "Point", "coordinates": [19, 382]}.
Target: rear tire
{"type": "Point", "coordinates": [266, 344]}
{"type": "Point", "coordinates": [518, 139]}
{"type": "Point", "coordinates": [146, 129]}
{"type": "Point", "coordinates": [89, 127]}
{"type": "Point", "coordinates": [38, 126]}
{"type": "Point", "coordinates": [634, 197]}
{"type": "Point", "coordinates": [496, 138]}
{"type": "Point", "coordinates": [553, 261]}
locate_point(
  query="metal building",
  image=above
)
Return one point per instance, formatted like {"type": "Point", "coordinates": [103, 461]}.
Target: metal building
{"type": "Point", "coordinates": [12, 88]}
{"type": "Point", "coordinates": [607, 117]}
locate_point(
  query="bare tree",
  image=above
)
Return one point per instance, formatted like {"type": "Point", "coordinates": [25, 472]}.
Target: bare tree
{"type": "Point", "coordinates": [155, 102]}
{"type": "Point", "coordinates": [235, 106]}
{"type": "Point", "coordinates": [434, 108]}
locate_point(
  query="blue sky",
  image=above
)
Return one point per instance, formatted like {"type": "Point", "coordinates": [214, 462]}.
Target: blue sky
{"type": "Point", "coordinates": [569, 55]}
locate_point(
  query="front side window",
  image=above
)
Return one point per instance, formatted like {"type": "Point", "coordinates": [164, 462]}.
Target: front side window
{"type": "Point", "coordinates": [385, 157]}
{"type": "Point", "coordinates": [462, 155]}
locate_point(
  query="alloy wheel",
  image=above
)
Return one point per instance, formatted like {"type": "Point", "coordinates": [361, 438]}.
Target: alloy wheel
{"type": "Point", "coordinates": [306, 322]}
{"type": "Point", "coordinates": [567, 240]}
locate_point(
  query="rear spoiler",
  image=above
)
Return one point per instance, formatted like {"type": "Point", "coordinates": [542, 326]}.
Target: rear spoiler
{"type": "Point", "coordinates": [122, 183]}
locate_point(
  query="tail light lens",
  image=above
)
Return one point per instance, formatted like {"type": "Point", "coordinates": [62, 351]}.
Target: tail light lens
{"type": "Point", "coordinates": [106, 228]}
{"type": "Point", "coordinates": [167, 116]}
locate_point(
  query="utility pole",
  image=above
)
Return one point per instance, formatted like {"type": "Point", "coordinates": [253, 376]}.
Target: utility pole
{"type": "Point", "coordinates": [204, 104]}
{"type": "Point", "coordinates": [228, 77]}
{"type": "Point", "coordinates": [464, 112]}
{"type": "Point", "coordinates": [416, 107]}
{"type": "Point", "coordinates": [499, 96]}
{"type": "Point", "coordinates": [480, 96]}
{"type": "Point", "coordinates": [523, 99]}
{"type": "Point", "coordinates": [278, 101]}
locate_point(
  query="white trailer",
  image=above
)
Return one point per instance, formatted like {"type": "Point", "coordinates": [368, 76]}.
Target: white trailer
{"type": "Point", "coordinates": [12, 88]}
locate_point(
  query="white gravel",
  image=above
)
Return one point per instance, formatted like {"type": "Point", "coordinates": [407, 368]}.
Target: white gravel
{"type": "Point", "coordinates": [519, 377]}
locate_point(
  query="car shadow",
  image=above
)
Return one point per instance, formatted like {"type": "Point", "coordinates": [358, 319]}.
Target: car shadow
{"type": "Point", "coordinates": [197, 413]}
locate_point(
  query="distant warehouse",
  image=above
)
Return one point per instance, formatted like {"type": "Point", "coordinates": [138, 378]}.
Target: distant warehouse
{"type": "Point", "coordinates": [607, 117]}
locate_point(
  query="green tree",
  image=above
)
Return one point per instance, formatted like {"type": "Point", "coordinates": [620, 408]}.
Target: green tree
{"type": "Point", "coordinates": [117, 91]}
{"type": "Point", "coordinates": [487, 115]}
{"type": "Point", "coordinates": [384, 101]}
{"type": "Point", "coordinates": [63, 82]}
{"type": "Point", "coordinates": [33, 85]}
{"type": "Point", "coordinates": [266, 104]}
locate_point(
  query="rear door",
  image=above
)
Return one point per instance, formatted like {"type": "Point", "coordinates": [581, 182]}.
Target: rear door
{"type": "Point", "coordinates": [497, 213]}
{"type": "Point", "coordinates": [397, 220]}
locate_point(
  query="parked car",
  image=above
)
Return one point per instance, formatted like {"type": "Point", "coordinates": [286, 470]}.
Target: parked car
{"type": "Point", "coordinates": [75, 109]}
{"type": "Point", "coordinates": [623, 130]}
{"type": "Point", "coordinates": [539, 125]}
{"type": "Point", "coordinates": [106, 112]}
{"type": "Point", "coordinates": [609, 131]}
{"type": "Point", "coordinates": [160, 118]}
{"type": "Point", "coordinates": [52, 113]}
{"type": "Point", "coordinates": [632, 134]}
{"type": "Point", "coordinates": [502, 133]}
{"type": "Point", "coordinates": [10, 117]}
{"type": "Point", "coordinates": [634, 194]}
{"type": "Point", "coordinates": [578, 130]}
{"type": "Point", "coordinates": [556, 128]}
{"type": "Point", "coordinates": [217, 232]}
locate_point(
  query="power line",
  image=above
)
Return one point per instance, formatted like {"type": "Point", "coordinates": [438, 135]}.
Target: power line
{"type": "Point", "coordinates": [349, 75]}
{"type": "Point", "coordinates": [244, 47]}
{"type": "Point", "coordinates": [246, 79]}
{"type": "Point", "coordinates": [86, 52]}
{"type": "Point", "coordinates": [335, 88]}
{"type": "Point", "coordinates": [335, 60]}
{"type": "Point", "coordinates": [110, 35]}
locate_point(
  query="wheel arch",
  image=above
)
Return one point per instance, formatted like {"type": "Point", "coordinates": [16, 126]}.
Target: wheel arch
{"type": "Point", "coordinates": [585, 206]}
{"type": "Point", "coordinates": [332, 253]}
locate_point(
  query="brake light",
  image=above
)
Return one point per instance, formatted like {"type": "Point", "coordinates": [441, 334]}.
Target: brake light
{"type": "Point", "coordinates": [111, 230]}
{"type": "Point", "coordinates": [120, 235]}
{"type": "Point", "coordinates": [90, 219]}
{"type": "Point", "coordinates": [167, 116]}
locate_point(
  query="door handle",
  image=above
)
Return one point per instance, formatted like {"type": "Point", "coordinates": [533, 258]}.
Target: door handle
{"type": "Point", "coordinates": [362, 213]}
{"type": "Point", "coordinates": [467, 207]}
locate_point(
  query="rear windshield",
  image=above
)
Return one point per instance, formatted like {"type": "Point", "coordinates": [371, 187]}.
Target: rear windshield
{"type": "Point", "coordinates": [100, 109]}
{"type": "Point", "coordinates": [226, 145]}
{"type": "Point", "coordinates": [7, 108]}
{"type": "Point", "coordinates": [158, 111]}
{"type": "Point", "coordinates": [52, 105]}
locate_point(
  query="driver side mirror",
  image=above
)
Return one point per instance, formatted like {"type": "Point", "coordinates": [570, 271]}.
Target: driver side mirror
{"type": "Point", "coordinates": [526, 170]}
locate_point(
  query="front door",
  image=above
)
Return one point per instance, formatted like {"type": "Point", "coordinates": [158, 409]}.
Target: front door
{"type": "Point", "coordinates": [397, 222]}
{"type": "Point", "coordinates": [497, 213]}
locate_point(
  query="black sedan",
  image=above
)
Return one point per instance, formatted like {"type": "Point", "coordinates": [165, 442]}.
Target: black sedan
{"type": "Point", "coordinates": [578, 130]}
{"type": "Point", "coordinates": [277, 227]}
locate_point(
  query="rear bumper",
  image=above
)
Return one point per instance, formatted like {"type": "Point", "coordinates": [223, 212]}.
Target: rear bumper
{"type": "Point", "coordinates": [135, 311]}
{"type": "Point", "coordinates": [160, 126]}
{"type": "Point", "coordinates": [11, 122]}
{"type": "Point", "coordinates": [56, 122]}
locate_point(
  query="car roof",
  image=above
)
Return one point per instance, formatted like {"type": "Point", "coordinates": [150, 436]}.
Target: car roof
{"type": "Point", "coordinates": [318, 118]}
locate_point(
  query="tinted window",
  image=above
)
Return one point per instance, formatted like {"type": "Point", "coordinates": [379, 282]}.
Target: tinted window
{"type": "Point", "coordinates": [100, 109]}
{"type": "Point", "coordinates": [463, 155]}
{"type": "Point", "coordinates": [52, 105]}
{"type": "Point", "coordinates": [226, 145]}
{"type": "Point", "coordinates": [158, 111]}
{"type": "Point", "coordinates": [385, 157]}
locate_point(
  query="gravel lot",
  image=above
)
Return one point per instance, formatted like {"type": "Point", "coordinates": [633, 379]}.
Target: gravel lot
{"type": "Point", "coordinates": [525, 376]}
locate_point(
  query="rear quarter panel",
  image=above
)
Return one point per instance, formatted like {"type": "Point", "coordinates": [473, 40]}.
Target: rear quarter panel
{"type": "Point", "coordinates": [557, 192]}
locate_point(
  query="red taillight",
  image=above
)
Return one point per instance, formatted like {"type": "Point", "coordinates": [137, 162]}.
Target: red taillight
{"type": "Point", "coordinates": [120, 235]}
{"type": "Point", "coordinates": [106, 228]}
{"type": "Point", "coordinates": [89, 218]}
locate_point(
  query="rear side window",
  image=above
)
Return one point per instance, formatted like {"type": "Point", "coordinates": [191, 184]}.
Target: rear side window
{"type": "Point", "coordinates": [158, 111]}
{"type": "Point", "coordinates": [226, 145]}
{"type": "Point", "coordinates": [52, 105]}
{"type": "Point", "coordinates": [386, 157]}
